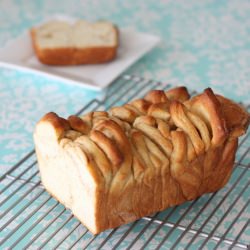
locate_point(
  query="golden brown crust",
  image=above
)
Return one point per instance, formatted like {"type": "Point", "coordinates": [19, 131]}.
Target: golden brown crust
{"type": "Point", "coordinates": [141, 105]}
{"type": "Point", "coordinates": [207, 106]}
{"type": "Point", "coordinates": [124, 113]}
{"type": "Point", "coordinates": [178, 94]}
{"type": "Point", "coordinates": [155, 153]}
{"type": "Point", "coordinates": [183, 122]}
{"type": "Point", "coordinates": [78, 124]}
{"type": "Point", "coordinates": [160, 110]}
{"type": "Point", "coordinates": [108, 147]}
{"type": "Point", "coordinates": [185, 173]}
{"type": "Point", "coordinates": [156, 96]}
{"type": "Point", "coordinates": [59, 124]}
{"type": "Point", "coordinates": [237, 118]}
{"type": "Point", "coordinates": [74, 56]}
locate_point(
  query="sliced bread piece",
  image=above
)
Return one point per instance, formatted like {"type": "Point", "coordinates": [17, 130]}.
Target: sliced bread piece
{"type": "Point", "coordinates": [63, 43]}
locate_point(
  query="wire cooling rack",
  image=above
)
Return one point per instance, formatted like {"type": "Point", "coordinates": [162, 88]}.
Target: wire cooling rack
{"type": "Point", "coordinates": [31, 219]}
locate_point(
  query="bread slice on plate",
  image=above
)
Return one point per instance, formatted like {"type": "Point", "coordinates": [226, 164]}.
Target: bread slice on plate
{"type": "Point", "coordinates": [63, 43]}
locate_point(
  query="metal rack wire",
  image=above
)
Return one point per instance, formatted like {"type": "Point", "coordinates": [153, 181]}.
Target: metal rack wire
{"type": "Point", "coordinates": [31, 218]}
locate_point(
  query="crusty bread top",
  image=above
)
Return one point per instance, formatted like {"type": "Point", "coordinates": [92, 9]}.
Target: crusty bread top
{"type": "Point", "coordinates": [208, 120]}
{"type": "Point", "coordinates": [81, 34]}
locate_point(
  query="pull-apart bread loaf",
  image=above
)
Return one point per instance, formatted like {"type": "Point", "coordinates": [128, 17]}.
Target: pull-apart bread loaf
{"type": "Point", "coordinates": [111, 168]}
{"type": "Point", "coordinates": [63, 43]}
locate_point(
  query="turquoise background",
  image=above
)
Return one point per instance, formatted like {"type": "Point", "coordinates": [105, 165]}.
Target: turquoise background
{"type": "Point", "coordinates": [204, 44]}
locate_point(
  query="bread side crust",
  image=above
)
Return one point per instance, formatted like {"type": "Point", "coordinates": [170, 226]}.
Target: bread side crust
{"type": "Point", "coordinates": [74, 56]}
{"type": "Point", "coordinates": [237, 118]}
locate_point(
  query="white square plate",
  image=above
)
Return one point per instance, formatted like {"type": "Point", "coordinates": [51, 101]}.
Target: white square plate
{"type": "Point", "coordinates": [18, 53]}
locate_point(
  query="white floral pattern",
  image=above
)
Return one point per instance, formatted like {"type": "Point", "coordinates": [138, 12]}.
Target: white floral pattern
{"type": "Point", "coordinates": [204, 44]}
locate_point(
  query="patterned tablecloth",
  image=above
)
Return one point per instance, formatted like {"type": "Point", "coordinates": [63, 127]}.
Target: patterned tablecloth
{"type": "Point", "coordinates": [204, 44]}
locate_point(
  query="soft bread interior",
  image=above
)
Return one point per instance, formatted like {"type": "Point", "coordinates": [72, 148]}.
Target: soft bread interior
{"type": "Point", "coordinates": [65, 174]}
{"type": "Point", "coordinates": [81, 34]}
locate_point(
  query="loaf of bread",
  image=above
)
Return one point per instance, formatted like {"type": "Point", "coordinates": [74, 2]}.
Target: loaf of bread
{"type": "Point", "coordinates": [62, 43]}
{"type": "Point", "coordinates": [111, 168]}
